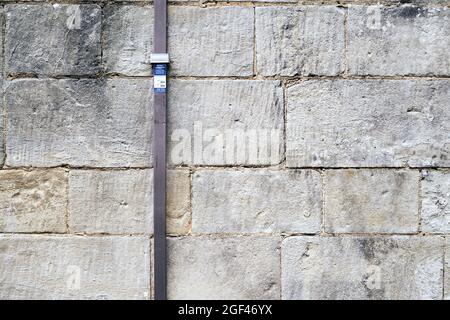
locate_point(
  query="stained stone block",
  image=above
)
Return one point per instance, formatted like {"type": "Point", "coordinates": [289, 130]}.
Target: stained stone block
{"type": "Point", "coordinates": [97, 123]}
{"type": "Point", "coordinates": [127, 39]}
{"type": "Point", "coordinates": [53, 39]}
{"type": "Point", "coordinates": [340, 268]}
{"type": "Point", "coordinates": [436, 202]}
{"type": "Point", "coordinates": [368, 123]}
{"type": "Point", "coordinates": [398, 41]}
{"type": "Point", "coordinates": [33, 201]}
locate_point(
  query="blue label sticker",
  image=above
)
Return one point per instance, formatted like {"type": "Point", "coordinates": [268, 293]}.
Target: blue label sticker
{"type": "Point", "coordinates": [160, 78]}
{"type": "Point", "coordinates": [160, 90]}
{"type": "Point", "coordinates": [160, 69]}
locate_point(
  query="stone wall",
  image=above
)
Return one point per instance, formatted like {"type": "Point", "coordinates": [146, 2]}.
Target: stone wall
{"type": "Point", "coordinates": [309, 149]}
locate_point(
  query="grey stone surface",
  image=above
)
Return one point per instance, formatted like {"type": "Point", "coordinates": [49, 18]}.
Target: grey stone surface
{"type": "Point", "coordinates": [2, 147]}
{"type": "Point", "coordinates": [228, 201]}
{"type": "Point", "coordinates": [371, 201]}
{"type": "Point", "coordinates": [367, 138]}
{"type": "Point", "coordinates": [233, 118]}
{"type": "Point", "coordinates": [68, 267]}
{"type": "Point", "coordinates": [369, 123]}
{"type": "Point", "coordinates": [211, 41]}
{"type": "Point", "coordinates": [33, 201]}
{"type": "Point", "coordinates": [436, 202]}
{"type": "Point", "coordinates": [121, 201]}
{"type": "Point", "coordinates": [390, 2]}
{"type": "Point", "coordinates": [202, 41]}
{"type": "Point", "coordinates": [53, 39]}
{"type": "Point", "coordinates": [397, 267]}
{"type": "Point", "coordinates": [255, 1]}
{"type": "Point", "coordinates": [306, 40]}
{"type": "Point", "coordinates": [393, 2]}
{"type": "Point", "coordinates": [405, 40]}
{"type": "Point", "coordinates": [178, 202]}
{"type": "Point", "coordinates": [105, 123]}
{"type": "Point", "coordinates": [110, 201]}
{"type": "Point", "coordinates": [127, 39]}
{"type": "Point", "coordinates": [447, 271]}
{"type": "Point", "coordinates": [224, 268]}
{"type": "Point", "coordinates": [2, 31]}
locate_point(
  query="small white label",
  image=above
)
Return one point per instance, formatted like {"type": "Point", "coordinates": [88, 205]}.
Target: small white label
{"type": "Point", "coordinates": [159, 82]}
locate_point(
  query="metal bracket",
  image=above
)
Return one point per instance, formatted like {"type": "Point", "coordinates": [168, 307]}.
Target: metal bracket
{"type": "Point", "coordinates": [159, 58]}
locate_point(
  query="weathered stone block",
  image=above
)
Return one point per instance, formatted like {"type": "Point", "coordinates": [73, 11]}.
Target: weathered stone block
{"type": "Point", "coordinates": [121, 201]}
{"type": "Point", "coordinates": [305, 40]}
{"type": "Point", "coordinates": [211, 41]}
{"type": "Point", "coordinates": [369, 123]}
{"type": "Point", "coordinates": [127, 39]}
{"type": "Point", "coordinates": [33, 201]}
{"type": "Point", "coordinates": [436, 202]}
{"type": "Point", "coordinates": [398, 267]}
{"type": "Point", "coordinates": [202, 41]}
{"type": "Point", "coordinates": [178, 202]}
{"type": "Point", "coordinates": [225, 122]}
{"type": "Point", "coordinates": [64, 267]}
{"type": "Point", "coordinates": [375, 200]}
{"type": "Point", "coordinates": [405, 40]}
{"type": "Point", "coordinates": [53, 39]}
{"type": "Point", "coordinates": [105, 123]}
{"type": "Point", "coordinates": [226, 201]}
{"type": "Point", "coordinates": [110, 201]}
{"type": "Point", "coordinates": [224, 268]}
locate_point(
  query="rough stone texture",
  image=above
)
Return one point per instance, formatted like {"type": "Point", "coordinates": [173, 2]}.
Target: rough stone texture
{"type": "Point", "coordinates": [127, 39]}
{"type": "Point", "coordinates": [33, 201]}
{"type": "Point", "coordinates": [370, 123]}
{"type": "Point", "coordinates": [254, 1]}
{"type": "Point", "coordinates": [2, 22]}
{"type": "Point", "coordinates": [64, 267]}
{"type": "Point", "coordinates": [53, 39]}
{"type": "Point", "coordinates": [305, 40]}
{"type": "Point", "coordinates": [79, 122]}
{"type": "Point", "coordinates": [2, 147]}
{"type": "Point", "coordinates": [121, 201]}
{"type": "Point", "coordinates": [211, 41]}
{"type": "Point", "coordinates": [366, 103]}
{"type": "Point", "coordinates": [178, 202]}
{"type": "Point", "coordinates": [202, 41]}
{"type": "Point", "coordinates": [206, 110]}
{"type": "Point", "coordinates": [371, 201]}
{"type": "Point", "coordinates": [244, 201]}
{"type": "Point", "coordinates": [424, 2]}
{"type": "Point", "coordinates": [398, 267]}
{"type": "Point", "coordinates": [447, 271]}
{"type": "Point", "coordinates": [404, 40]}
{"type": "Point", "coordinates": [224, 268]}
{"type": "Point", "coordinates": [436, 202]}
{"type": "Point", "coordinates": [110, 201]}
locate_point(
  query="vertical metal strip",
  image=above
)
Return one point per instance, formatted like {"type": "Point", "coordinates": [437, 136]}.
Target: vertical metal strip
{"type": "Point", "coordinates": [160, 26]}
{"type": "Point", "coordinates": [159, 155]}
